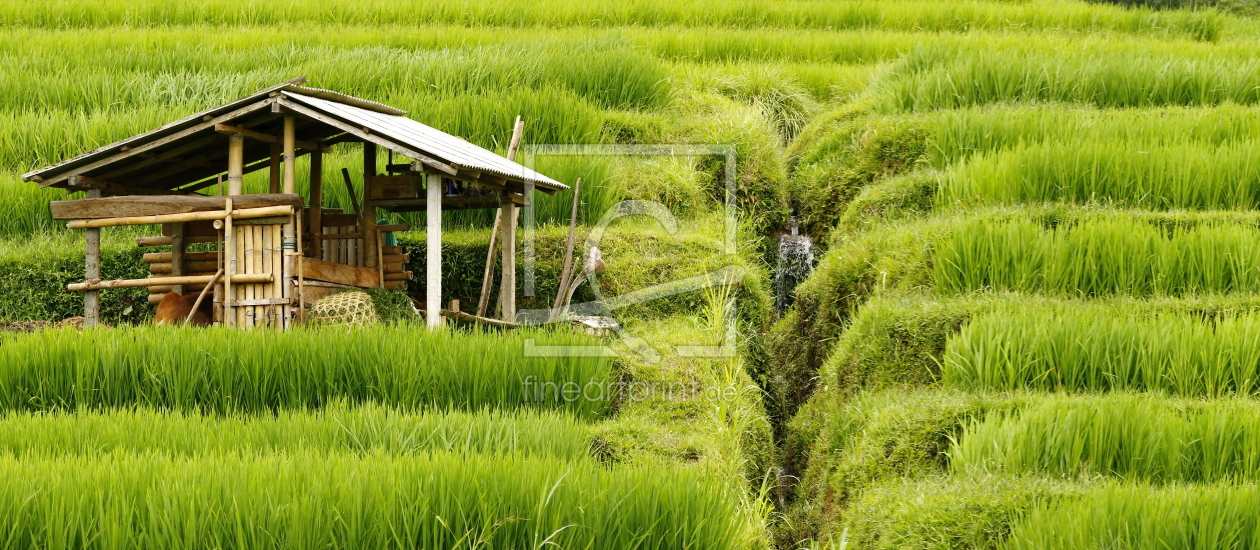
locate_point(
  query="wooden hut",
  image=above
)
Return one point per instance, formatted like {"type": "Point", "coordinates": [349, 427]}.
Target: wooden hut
{"type": "Point", "coordinates": [277, 251]}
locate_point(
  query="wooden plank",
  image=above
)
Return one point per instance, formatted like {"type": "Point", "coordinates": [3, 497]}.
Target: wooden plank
{"type": "Point", "coordinates": [118, 207]}
{"type": "Point", "coordinates": [165, 257]}
{"type": "Point", "coordinates": [184, 280]}
{"type": "Point", "coordinates": [320, 270]}
{"type": "Point", "coordinates": [191, 216]}
{"type": "Point", "coordinates": [110, 188]}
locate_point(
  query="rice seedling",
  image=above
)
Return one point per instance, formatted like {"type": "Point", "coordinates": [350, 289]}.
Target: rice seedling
{"type": "Point", "coordinates": [337, 428]}
{"type": "Point", "coordinates": [227, 370]}
{"type": "Point", "coordinates": [1140, 517]}
{"type": "Point", "coordinates": [1098, 257]}
{"type": "Point", "coordinates": [1132, 436]}
{"type": "Point", "coordinates": [918, 15]}
{"type": "Point", "coordinates": [1102, 349]}
{"type": "Point", "coordinates": [318, 500]}
{"type": "Point", "coordinates": [1191, 176]}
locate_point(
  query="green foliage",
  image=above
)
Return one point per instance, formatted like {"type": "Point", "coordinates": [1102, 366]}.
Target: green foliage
{"type": "Point", "coordinates": [1132, 436]}
{"type": "Point", "coordinates": [363, 430]}
{"type": "Point", "coordinates": [228, 370]}
{"type": "Point", "coordinates": [34, 274]}
{"type": "Point", "coordinates": [1097, 350]}
{"type": "Point", "coordinates": [1098, 257]}
{"type": "Point", "coordinates": [927, 15]}
{"type": "Point", "coordinates": [321, 500]}
{"type": "Point", "coordinates": [909, 196]}
{"type": "Point", "coordinates": [1139, 517]}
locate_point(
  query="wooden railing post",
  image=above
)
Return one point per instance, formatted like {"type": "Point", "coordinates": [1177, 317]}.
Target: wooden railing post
{"type": "Point", "coordinates": [92, 271]}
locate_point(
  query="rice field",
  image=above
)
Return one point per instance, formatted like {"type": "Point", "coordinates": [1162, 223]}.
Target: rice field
{"type": "Point", "coordinates": [1097, 257]}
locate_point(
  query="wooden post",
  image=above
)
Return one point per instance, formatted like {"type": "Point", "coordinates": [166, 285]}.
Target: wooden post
{"type": "Point", "coordinates": [92, 271]}
{"type": "Point", "coordinates": [507, 285]}
{"type": "Point", "coordinates": [369, 213]}
{"type": "Point", "coordinates": [290, 154]}
{"type": "Point", "coordinates": [433, 251]}
{"type": "Point", "coordinates": [317, 203]}
{"type": "Point", "coordinates": [487, 279]}
{"type": "Point", "coordinates": [177, 254]}
{"type": "Point", "coordinates": [274, 172]}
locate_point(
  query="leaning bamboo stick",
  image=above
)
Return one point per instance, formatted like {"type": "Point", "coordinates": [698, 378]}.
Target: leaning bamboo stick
{"type": "Point", "coordinates": [202, 296]}
{"type": "Point", "coordinates": [185, 280]}
{"type": "Point", "coordinates": [487, 279]}
{"type": "Point", "coordinates": [568, 255]}
{"type": "Point", "coordinates": [244, 213]}
{"type": "Point", "coordinates": [229, 255]}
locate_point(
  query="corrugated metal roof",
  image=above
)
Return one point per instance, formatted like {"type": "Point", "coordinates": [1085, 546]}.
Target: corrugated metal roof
{"type": "Point", "coordinates": [380, 119]}
{"type": "Point", "coordinates": [426, 139]}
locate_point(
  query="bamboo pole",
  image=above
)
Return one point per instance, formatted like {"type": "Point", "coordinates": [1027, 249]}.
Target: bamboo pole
{"type": "Point", "coordinates": [217, 308]}
{"type": "Point", "coordinates": [202, 296]}
{"type": "Point", "coordinates": [245, 213]}
{"type": "Point", "coordinates": [185, 280]}
{"type": "Point", "coordinates": [229, 255]}
{"type": "Point", "coordinates": [250, 267]}
{"type": "Point", "coordinates": [92, 271]}
{"type": "Point", "coordinates": [290, 154]}
{"type": "Point", "coordinates": [267, 264]}
{"type": "Point", "coordinates": [236, 163]}
{"type": "Point", "coordinates": [568, 254]}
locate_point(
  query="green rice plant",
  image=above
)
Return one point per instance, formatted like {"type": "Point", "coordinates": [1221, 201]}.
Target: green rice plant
{"type": "Point", "coordinates": [1103, 350]}
{"type": "Point", "coordinates": [227, 370]}
{"type": "Point", "coordinates": [1127, 75]}
{"type": "Point", "coordinates": [1132, 436]}
{"type": "Point", "coordinates": [1098, 257]}
{"type": "Point", "coordinates": [338, 427]}
{"type": "Point", "coordinates": [1140, 517]}
{"type": "Point", "coordinates": [926, 15]}
{"type": "Point", "coordinates": [1190, 176]}
{"type": "Point", "coordinates": [378, 501]}
{"type": "Point", "coordinates": [959, 134]}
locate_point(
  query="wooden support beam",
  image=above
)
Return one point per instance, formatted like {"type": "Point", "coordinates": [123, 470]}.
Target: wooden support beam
{"type": "Point", "coordinates": [92, 272]}
{"type": "Point", "coordinates": [166, 241]}
{"type": "Point", "coordinates": [165, 257]}
{"type": "Point", "coordinates": [118, 207]}
{"type": "Point", "coordinates": [252, 278]}
{"type": "Point", "coordinates": [368, 223]}
{"type": "Point", "coordinates": [236, 163]}
{"type": "Point", "coordinates": [165, 156]}
{"type": "Point", "coordinates": [176, 267]}
{"type": "Point", "coordinates": [110, 188]}
{"type": "Point", "coordinates": [273, 164]}
{"type": "Point", "coordinates": [187, 217]}
{"type": "Point", "coordinates": [316, 215]}
{"type": "Point", "coordinates": [433, 252]}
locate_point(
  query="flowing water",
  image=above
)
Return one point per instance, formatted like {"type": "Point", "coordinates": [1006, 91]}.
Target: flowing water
{"type": "Point", "coordinates": [796, 261]}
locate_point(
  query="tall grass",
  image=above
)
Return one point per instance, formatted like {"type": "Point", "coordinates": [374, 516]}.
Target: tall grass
{"type": "Point", "coordinates": [1140, 517]}
{"type": "Point", "coordinates": [1192, 176]}
{"type": "Point", "coordinates": [364, 429]}
{"type": "Point", "coordinates": [959, 134]}
{"type": "Point", "coordinates": [1088, 72]}
{"type": "Point", "coordinates": [314, 500]}
{"type": "Point", "coordinates": [1132, 436]}
{"type": "Point", "coordinates": [1104, 350]}
{"type": "Point", "coordinates": [233, 371]}
{"type": "Point", "coordinates": [919, 15]}
{"type": "Point", "coordinates": [1098, 257]}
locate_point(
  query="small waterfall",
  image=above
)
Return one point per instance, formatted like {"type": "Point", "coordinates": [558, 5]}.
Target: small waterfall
{"type": "Point", "coordinates": [796, 262]}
